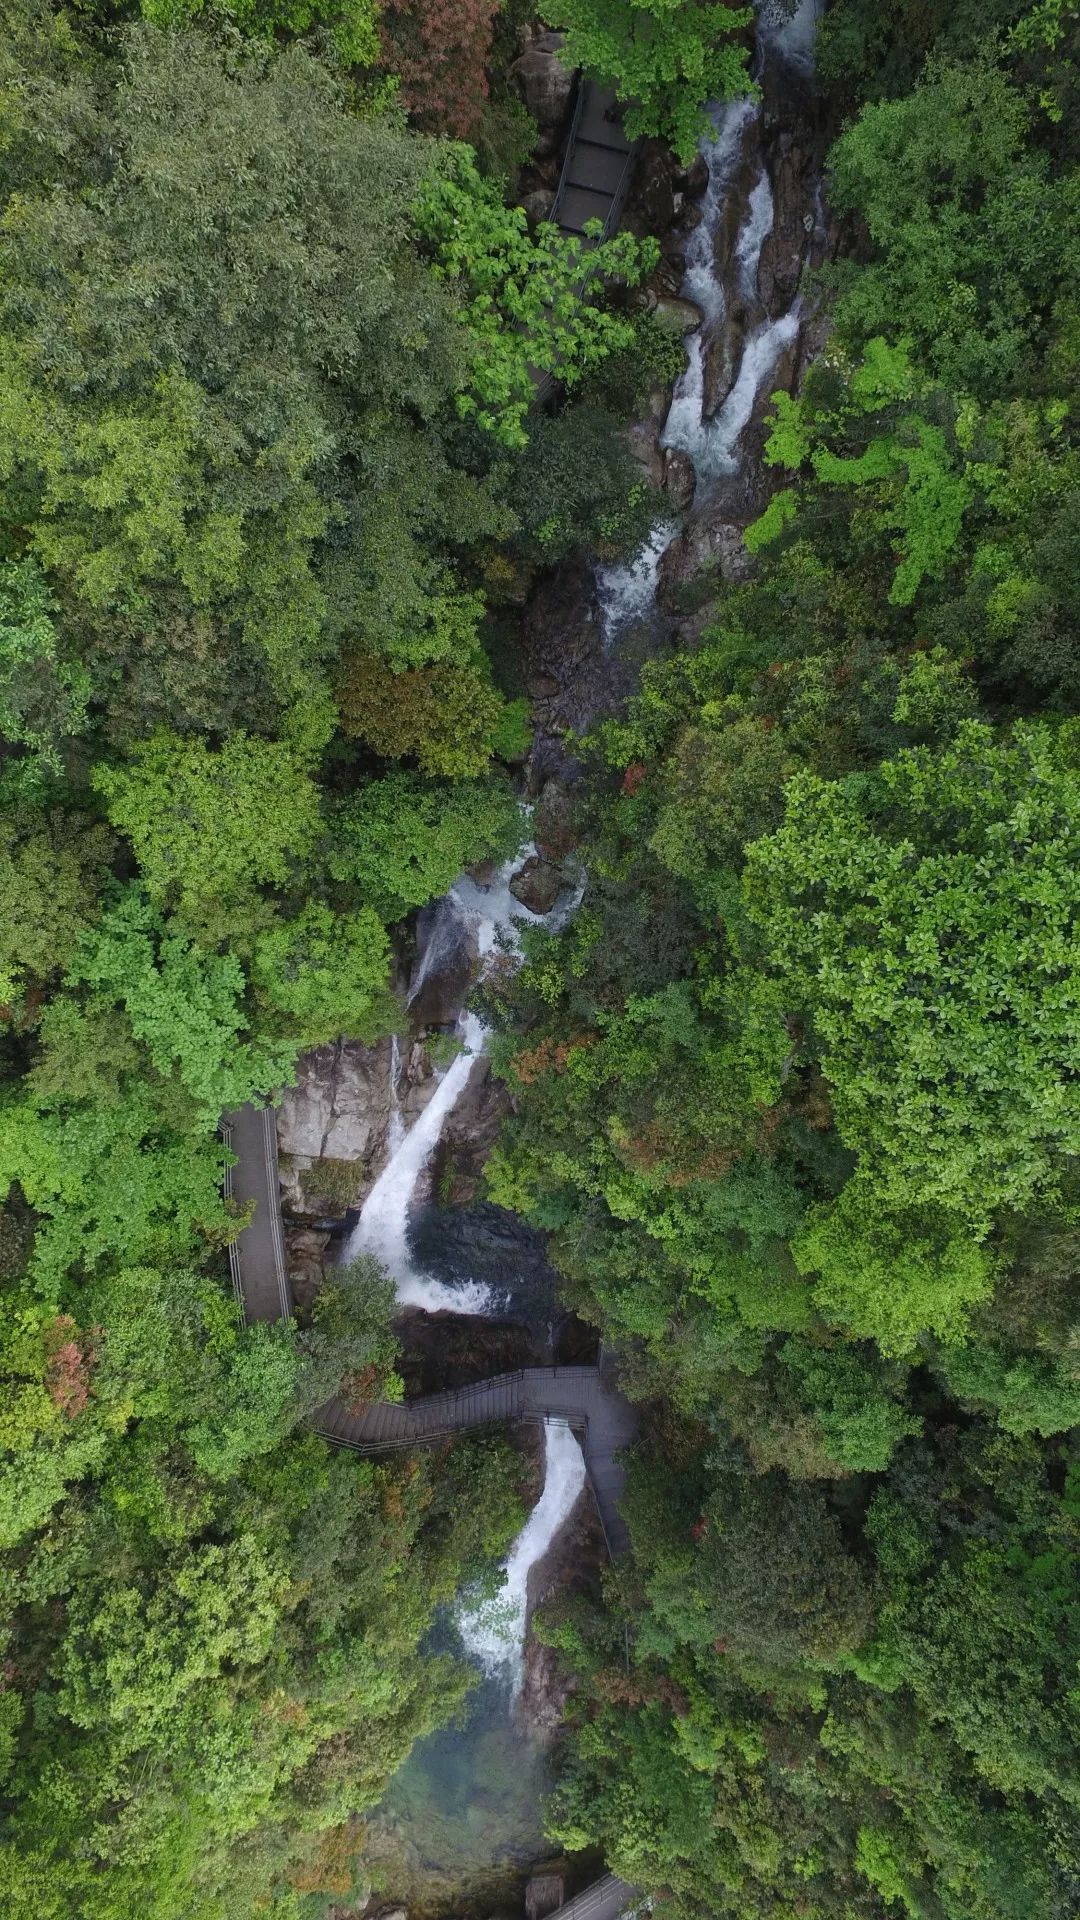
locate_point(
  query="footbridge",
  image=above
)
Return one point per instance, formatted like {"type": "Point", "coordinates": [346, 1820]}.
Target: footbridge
{"type": "Point", "coordinates": [606, 1899]}
{"type": "Point", "coordinates": [598, 166]}
{"type": "Point", "coordinates": [582, 1396]}
{"type": "Point", "coordinates": [587, 1398]}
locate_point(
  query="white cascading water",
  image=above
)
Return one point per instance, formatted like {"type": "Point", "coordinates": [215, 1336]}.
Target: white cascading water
{"type": "Point", "coordinates": [493, 1631]}
{"type": "Point", "coordinates": [493, 917]}
{"type": "Point", "coordinates": [713, 444]}
{"type": "Point", "coordinates": [383, 1226]}
{"type": "Point", "coordinates": [627, 594]}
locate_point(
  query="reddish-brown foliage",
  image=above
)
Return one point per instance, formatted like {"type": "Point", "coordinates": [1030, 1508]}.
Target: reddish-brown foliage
{"type": "Point", "coordinates": [330, 1868]}
{"type": "Point", "coordinates": [439, 49]}
{"type": "Point", "coordinates": [358, 1389]}
{"type": "Point", "coordinates": [69, 1363]}
{"type": "Point", "coordinates": [634, 775]}
{"type": "Point", "coordinates": [549, 1056]}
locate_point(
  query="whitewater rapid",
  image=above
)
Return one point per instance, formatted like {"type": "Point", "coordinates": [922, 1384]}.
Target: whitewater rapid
{"type": "Point", "coordinates": [493, 1631]}
{"type": "Point", "coordinates": [626, 593]}
{"type": "Point", "coordinates": [489, 920]}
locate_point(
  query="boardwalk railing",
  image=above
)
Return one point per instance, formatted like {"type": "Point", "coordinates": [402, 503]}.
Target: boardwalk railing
{"type": "Point", "coordinates": [387, 1426]}
{"type": "Point", "coordinates": [229, 1190]}
{"type": "Point", "coordinates": [604, 1900]}
{"type": "Point", "coordinates": [597, 166]}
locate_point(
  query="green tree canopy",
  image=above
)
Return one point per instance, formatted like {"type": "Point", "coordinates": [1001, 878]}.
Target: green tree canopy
{"type": "Point", "coordinates": [665, 58]}
{"type": "Point", "coordinates": [921, 920]}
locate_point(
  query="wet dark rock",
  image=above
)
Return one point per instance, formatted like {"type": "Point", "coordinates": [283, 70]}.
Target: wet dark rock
{"type": "Point", "coordinates": [537, 884]}
{"type": "Point", "coordinates": [680, 478]}
{"type": "Point", "coordinates": [545, 86]}
{"type": "Point", "coordinates": [445, 959]}
{"type": "Point", "coordinates": [537, 205]}
{"type": "Point", "coordinates": [676, 315]}
{"type": "Point", "coordinates": [694, 179]}
{"type": "Point", "coordinates": [418, 1080]}
{"type": "Point", "coordinates": [652, 197]}
{"type": "Point", "coordinates": [723, 354]}
{"type": "Point", "coordinates": [305, 1254]}
{"type": "Point", "coordinates": [643, 440]}
{"type": "Point", "coordinates": [441, 1351]}
{"type": "Point", "coordinates": [785, 245]}
{"type": "Point", "coordinates": [553, 822]}
{"type": "Point", "coordinates": [469, 1133]}
{"type": "Point", "coordinates": [708, 545]}
{"type": "Point", "coordinates": [565, 669]}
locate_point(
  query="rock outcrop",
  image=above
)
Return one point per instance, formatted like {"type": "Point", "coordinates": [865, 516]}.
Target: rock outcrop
{"type": "Point", "coordinates": [335, 1117]}
{"type": "Point", "coordinates": [545, 87]}
{"type": "Point", "coordinates": [709, 544]}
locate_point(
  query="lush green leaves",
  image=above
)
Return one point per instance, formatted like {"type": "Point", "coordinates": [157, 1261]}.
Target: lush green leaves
{"type": "Point", "coordinates": [666, 59]}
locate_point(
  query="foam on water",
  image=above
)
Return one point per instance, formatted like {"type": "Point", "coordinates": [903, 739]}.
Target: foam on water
{"type": "Point", "coordinates": [758, 224]}
{"type": "Point", "coordinates": [383, 1226]}
{"type": "Point", "coordinates": [790, 32]}
{"type": "Point", "coordinates": [493, 1631]}
{"type": "Point", "coordinates": [627, 593]}
{"type": "Point", "coordinates": [493, 918]}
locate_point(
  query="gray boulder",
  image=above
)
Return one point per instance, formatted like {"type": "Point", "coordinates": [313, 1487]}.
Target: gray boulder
{"type": "Point", "coordinates": [537, 884]}
{"type": "Point", "coordinates": [337, 1111]}
{"type": "Point", "coordinates": [545, 86]}
{"type": "Point", "coordinates": [680, 478]}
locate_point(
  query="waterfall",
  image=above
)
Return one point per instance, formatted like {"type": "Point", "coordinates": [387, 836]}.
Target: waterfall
{"type": "Point", "coordinates": [493, 1631]}
{"type": "Point", "coordinates": [627, 593]}
{"type": "Point", "coordinates": [493, 918]}
{"type": "Point", "coordinates": [395, 1125]}
{"type": "Point", "coordinates": [383, 1226]}
{"type": "Point", "coordinates": [713, 444]}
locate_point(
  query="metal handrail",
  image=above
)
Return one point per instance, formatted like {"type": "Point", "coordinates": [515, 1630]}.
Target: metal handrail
{"type": "Point", "coordinates": [276, 1228]}
{"type": "Point", "coordinates": [431, 1436]}
{"type": "Point", "coordinates": [582, 89]}
{"type": "Point", "coordinates": [235, 1274]}
{"type": "Point", "coordinates": [596, 1896]}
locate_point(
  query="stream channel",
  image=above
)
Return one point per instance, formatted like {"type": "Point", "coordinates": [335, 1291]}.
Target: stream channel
{"type": "Point", "coordinates": [462, 1821]}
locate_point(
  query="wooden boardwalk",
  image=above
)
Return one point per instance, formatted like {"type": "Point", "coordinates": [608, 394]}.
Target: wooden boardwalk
{"type": "Point", "coordinates": [587, 1397]}
{"type": "Point", "coordinates": [606, 1899]}
{"type": "Point", "coordinates": [260, 1272]}
{"type": "Point", "coordinates": [581, 1396]}
{"type": "Point", "coordinates": [598, 167]}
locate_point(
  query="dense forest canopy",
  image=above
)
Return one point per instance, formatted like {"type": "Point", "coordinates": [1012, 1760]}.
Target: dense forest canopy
{"type": "Point", "coordinates": [796, 1094]}
{"type": "Point", "coordinates": [798, 1090]}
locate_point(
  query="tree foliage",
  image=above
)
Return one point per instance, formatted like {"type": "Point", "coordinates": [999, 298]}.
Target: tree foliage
{"type": "Point", "coordinates": [667, 60]}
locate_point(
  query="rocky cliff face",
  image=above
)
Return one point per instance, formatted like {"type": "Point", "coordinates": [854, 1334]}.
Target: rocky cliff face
{"type": "Point", "coordinates": [332, 1127]}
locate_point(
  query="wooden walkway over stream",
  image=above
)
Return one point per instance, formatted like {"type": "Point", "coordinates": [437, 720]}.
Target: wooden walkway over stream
{"type": "Point", "coordinates": [587, 1398]}
{"type": "Point", "coordinates": [598, 166]}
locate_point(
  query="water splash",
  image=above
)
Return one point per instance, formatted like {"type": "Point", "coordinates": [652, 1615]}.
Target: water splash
{"type": "Point", "coordinates": [491, 918]}
{"type": "Point", "coordinates": [756, 227]}
{"type": "Point", "coordinates": [627, 593]}
{"type": "Point", "coordinates": [721, 153]}
{"type": "Point", "coordinates": [493, 1631]}
{"type": "Point", "coordinates": [790, 33]}
{"type": "Point", "coordinates": [383, 1226]}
